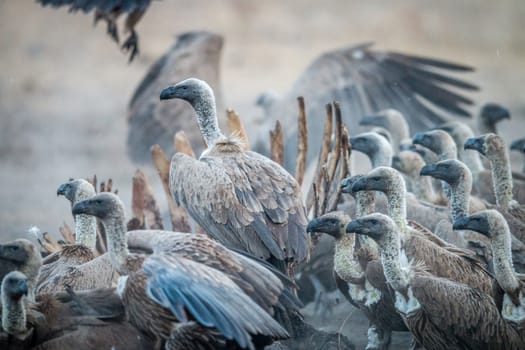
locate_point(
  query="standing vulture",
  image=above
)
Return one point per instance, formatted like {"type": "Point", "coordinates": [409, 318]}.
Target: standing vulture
{"type": "Point", "coordinates": [243, 199]}
{"type": "Point", "coordinates": [110, 11]}
{"type": "Point", "coordinates": [194, 54]}
{"type": "Point", "coordinates": [366, 81]}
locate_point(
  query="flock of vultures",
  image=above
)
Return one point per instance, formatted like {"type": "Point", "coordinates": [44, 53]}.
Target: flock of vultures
{"type": "Point", "coordinates": [431, 241]}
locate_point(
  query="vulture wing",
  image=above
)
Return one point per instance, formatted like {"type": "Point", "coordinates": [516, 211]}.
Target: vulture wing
{"type": "Point", "coordinates": [212, 299]}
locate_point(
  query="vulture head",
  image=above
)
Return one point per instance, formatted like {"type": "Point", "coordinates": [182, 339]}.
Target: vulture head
{"type": "Point", "coordinates": [191, 90]}
{"type": "Point", "coordinates": [371, 143]}
{"type": "Point", "coordinates": [459, 131]}
{"type": "Point", "coordinates": [408, 162]}
{"type": "Point", "coordinates": [21, 253]}
{"type": "Point", "coordinates": [76, 190]}
{"type": "Point", "coordinates": [389, 119]}
{"type": "Point", "coordinates": [489, 223]}
{"type": "Point", "coordinates": [383, 179]}
{"type": "Point", "coordinates": [375, 226]}
{"type": "Point", "coordinates": [105, 206]}
{"type": "Point", "coordinates": [14, 285]}
{"type": "Point", "coordinates": [348, 182]}
{"type": "Point", "coordinates": [491, 145]}
{"type": "Point", "coordinates": [332, 224]}
{"type": "Point", "coordinates": [493, 113]}
{"type": "Point", "coordinates": [437, 141]}
{"type": "Point", "coordinates": [451, 171]}
{"type": "Point", "coordinates": [518, 145]}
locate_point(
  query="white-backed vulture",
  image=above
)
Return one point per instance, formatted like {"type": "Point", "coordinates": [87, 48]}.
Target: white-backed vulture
{"type": "Point", "coordinates": [409, 163]}
{"type": "Point", "coordinates": [110, 11]}
{"type": "Point", "coordinates": [394, 122]}
{"type": "Point", "coordinates": [441, 258]}
{"type": "Point", "coordinates": [242, 199]}
{"type": "Point", "coordinates": [150, 121]}
{"type": "Point", "coordinates": [439, 142]}
{"type": "Point", "coordinates": [509, 193]}
{"type": "Point", "coordinates": [21, 255]}
{"type": "Point", "coordinates": [375, 146]}
{"type": "Point", "coordinates": [490, 115]}
{"type": "Point", "coordinates": [493, 225]}
{"type": "Point", "coordinates": [519, 145]}
{"type": "Point", "coordinates": [365, 81]}
{"type": "Point", "coordinates": [440, 313]}
{"type": "Point", "coordinates": [14, 287]}
{"type": "Point", "coordinates": [76, 265]}
{"type": "Point", "coordinates": [165, 292]}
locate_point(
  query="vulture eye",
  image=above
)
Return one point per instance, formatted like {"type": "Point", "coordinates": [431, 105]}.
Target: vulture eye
{"type": "Point", "coordinates": [373, 221]}
{"type": "Point", "coordinates": [14, 248]}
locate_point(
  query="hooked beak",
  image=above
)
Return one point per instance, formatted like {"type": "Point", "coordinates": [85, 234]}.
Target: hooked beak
{"type": "Point", "coordinates": [475, 143]}
{"type": "Point", "coordinates": [429, 170]}
{"type": "Point", "coordinates": [168, 93]}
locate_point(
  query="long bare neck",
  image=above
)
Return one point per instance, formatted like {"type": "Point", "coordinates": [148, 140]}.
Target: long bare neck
{"type": "Point", "coordinates": [117, 245]}
{"type": "Point", "coordinates": [390, 251]}
{"type": "Point", "coordinates": [397, 205]}
{"type": "Point", "coordinates": [503, 267]}
{"type": "Point", "coordinates": [502, 179]}
{"type": "Point", "coordinates": [382, 156]}
{"type": "Point", "coordinates": [365, 203]}
{"type": "Point", "coordinates": [423, 188]}
{"type": "Point", "coordinates": [344, 263]}
{"type": "Point", "coordinates": [472, 160]}
{"type": "Point", "coordinates": [85, 225]}
{"type": "Point", "coordinates": [13, 315]}
{"type": "Point", "coordinates": [206, 112]}
{"type": "Point", "coordinates": [459, 199]}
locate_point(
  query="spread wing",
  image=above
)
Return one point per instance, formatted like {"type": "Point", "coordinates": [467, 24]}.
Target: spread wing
{"type": "Point", "coordinates": [150, 121]}
{"type": "Point", "coordinates": [366, 81]}
{"type": "Point", "coordinates": [102, 6]}
{"type": "Point", "coordinates": [212, 299]}
{"type": "Point", "coordinates": [467, 312]}
{"type": "Point", "coordinates": [257, 281]}
{"type": "Point", "coordinates": [245, 201]}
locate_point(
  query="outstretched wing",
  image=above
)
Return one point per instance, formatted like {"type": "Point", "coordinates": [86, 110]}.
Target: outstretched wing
{"type": "Point", "coordinates": [366, 81]}
{"type": "Point", "coordinates": [213, 300]}
{"type": "Point", "coordinates": [194, 54]}
{"type": "Point", "coordinates": [102, 6]}
{"type": "Point", "coordinates": [245, 201]}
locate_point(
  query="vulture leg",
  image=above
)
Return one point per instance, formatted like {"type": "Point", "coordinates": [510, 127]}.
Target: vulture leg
{"type": "Point", "coordinates": [111, 21]}
{"type": "Point", "coordinates": [132, 42]}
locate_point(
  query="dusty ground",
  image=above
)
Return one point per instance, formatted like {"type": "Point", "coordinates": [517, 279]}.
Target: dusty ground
{"type": "Point", "coordinates": [64, 85]}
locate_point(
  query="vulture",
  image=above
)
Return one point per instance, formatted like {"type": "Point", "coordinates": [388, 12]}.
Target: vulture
{"type": "Point", "coordinates": [76, 265]}
{"type": "Point", "coordinates": [110, 11]}
{"type": "Point", "coordinates": [519, 145]}
{"type": "Point", "coordinates": [241, 198]}
{"type": "Point", "coordinates": [21, 255]}
{"type": "Point", "coordinates": [150, 121]}
{"type": "Point", "coordinates": [441, 258]}
{"type": "Point", "coordinates": [493, 225]}
{"type": "Point", "coordinates": [439, 312]}
{"type": "Point", "coordinates": [394, 122]}
{"type": "Point", "coordinates": [375, 146]}
{"type": "Point", "coordinates": [192, 290]}
{"type": "Point", "coordinates": [365, 81]}
{"type": "Point", "coordinates": [490, 115]}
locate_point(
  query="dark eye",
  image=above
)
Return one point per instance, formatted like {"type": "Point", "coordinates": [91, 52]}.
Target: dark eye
{"type": "Point", "coordinates": [14, 248]}
{"type": "Point", "coordinates": [373, 221]}
{"type": "Point", "coordinates": [98, 201]}
{"type": "Point", "coordinates": [376, 178]}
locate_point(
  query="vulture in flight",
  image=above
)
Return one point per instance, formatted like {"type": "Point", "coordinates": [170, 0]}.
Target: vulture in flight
{"type": "Point", "coordinates": [365, 81]}
{"type": "Point", "coordinates": [110, 11]}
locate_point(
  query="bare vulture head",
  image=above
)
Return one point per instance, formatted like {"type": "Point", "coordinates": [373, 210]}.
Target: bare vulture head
{"type": "Point", "coordinates": [14, 285]}
{"type": "Point", "coordinates": [408, 162]}
{"type": "Point", "coordinates": [491, 146]}
{"type": "Point", "coordinates": [375, 226]}
{"type": "Point", "coordinates": [375, 146]}
{"type": "Point", "coordinates": [489, 223]}
{"type": "Point", "coordinates": [105, 206]}
{"type": "Point", "coordinates": [76, 190]}
{"type": "Point", "coordinates": [490, 115]}
{"type": "Point", "coordinates": [518, 145]}
{"type": "Point", "coordinates": [191, 90]}
{"type": "Point", "coordinates": [451, 171]}
{"type": "Point", "coordinates": [23, 255]}
{"type": "Point", "coordinates": [348, 182]}
{"type": "Point", "coordinates": [438, 141]}
{"type": "Point", "coordinates": [332, 224]}
{"type": "Point", "coordinates": [393, 121]}
{"type": "Point", "coordinates": [383, 179]}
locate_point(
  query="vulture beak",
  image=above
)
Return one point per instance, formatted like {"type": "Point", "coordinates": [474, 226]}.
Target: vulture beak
{"type": "Point", "coordinates": [83, 207]}
{"type": "Point", "coordinates": [328, 225]}
{"type": "Point", "coordinates": [169, 93]}
{"type": "Point", "coordinates": [475, 143]}
{"type": "Point", "coordinates": [360, 227]}
{"type": "Point", "coordinates": [346, 185]}
{"type": "Point", "coordinates": [518, 145]}
{"type": "Point", "coordinates": [421, 139]}
{"type": "Point", "coordinates": [63, 189]}
{"type": "Point", "coordinates": [462, 223]}
{"type": "Point", "coordinates": [360, 185]}
{"type": "Point", "coordinates": [429, 170]}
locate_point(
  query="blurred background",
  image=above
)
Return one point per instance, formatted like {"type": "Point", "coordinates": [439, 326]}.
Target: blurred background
{"type": "Point", "coordinates": [64, 85]}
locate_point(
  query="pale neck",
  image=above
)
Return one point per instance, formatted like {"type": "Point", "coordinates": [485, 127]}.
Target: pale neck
{"type": "Point", "coordinates": [502, 180]}
{"type": "Point", "coordinates": [459, 199]}
{"type": "Point", "coordinates": [382, 157]}
{"type": "Point", "coordinates": [344, 263]}
{"type": "Point", "coordinates": [117, 244]}
{"type": "Point", "coordinates": [365, 203]}
{"type": "Point", "coordinates": [206, 112]}
{"type": "Point", "coordinates": [397, 207]}
{"type": "Point", "coordinates": [448, 152]}
{"type": "Point", "coordinates": [423, 188]}
{"type": "Point", "coordinates": [86, 230]}
{"type": "Point", "coordinates": [390, 251]}
{"type": "Point", "coordinates": [503, 267]}
{"type": "Point", "coordinates": [472, 160]}
{"type": "Point", "coordinates": [13, 315]}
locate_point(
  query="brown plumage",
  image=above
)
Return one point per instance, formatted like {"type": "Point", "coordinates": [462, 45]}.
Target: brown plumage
{"type": "Point", "coordinates": [76, 265]}
{"type": "Point", "coordinates": [420, 244]}
{"type": "Point", "coordinates": [150, 121]}
{"type": "Point", "coordinates": [110, 11]}
{"type": "Point", "coordinates": [440, 313]}
{"type": "Point", "coordinates": [242, 199]}
{"type": "Point", "coordinates": [191, 278]}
